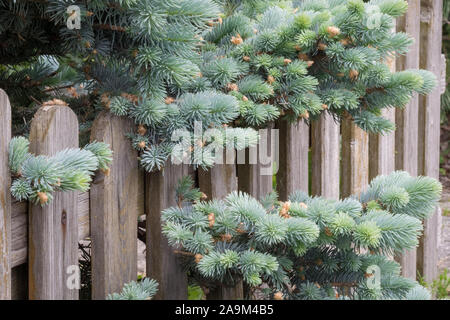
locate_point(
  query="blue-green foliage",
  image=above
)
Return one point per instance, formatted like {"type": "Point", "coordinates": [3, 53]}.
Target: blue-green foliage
{"type": "Point", "coordinates": [142, 290]}
{"type": "Point", "coordinates": [321, 55]}
{"type": "Point", "coordinates": [324, 248]}
{"type": "Point", "coordinates": [169, 63]}
{"type": "Point", "coordinates": [38, 177]}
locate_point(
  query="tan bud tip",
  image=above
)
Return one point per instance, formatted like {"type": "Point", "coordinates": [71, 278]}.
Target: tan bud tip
{"type": "Point", "coordinates": [142, 144]}
{"type": "Point", "coordinates": [270, 79]}
{"type": "Point", "coordinates": [333, 31]}
{"type": "Point", "coordinates": [43, 198]}
{"type": "Point", "coordinates": [198, 257]}
{"type": "Point", "coordinates": [278, 296]}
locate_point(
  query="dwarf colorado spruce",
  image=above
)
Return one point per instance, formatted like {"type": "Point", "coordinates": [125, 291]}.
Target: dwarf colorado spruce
{"type": "Point", "coordinates": [306, 247]}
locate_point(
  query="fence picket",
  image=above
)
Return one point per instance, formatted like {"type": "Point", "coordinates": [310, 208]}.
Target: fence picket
{"type": "Point", "coordinates": [5, 199]}
{"type": "Point", "coordinates": [53, 229]}
{"type": "Point", "coordinates": [255, 175]}
{"type": "Point", "coordinates": [325, 157]}
{"type": "Point", "coordinates": [406, 135]}
{"type": "Point", "coordinates": [429, 128]}
{"type": "Point", "coordinates": [19, 227]}
{"type": "Point", "coordinates": [382, 147]}
{"type": "Point", "coordinates": [355, 159]}
{"type": "Point", "coordinates": [218, 182]}
{"type": "Point", "coordinates": [162, 262]}
{"type": "Point", "coordinates": [293, 166]}
{"type": "Point", "coordinates": [114, 203]}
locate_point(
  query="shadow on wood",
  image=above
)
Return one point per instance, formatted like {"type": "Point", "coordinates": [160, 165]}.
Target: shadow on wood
{"type": "Point", "coordinates": [162, 263]}
{"type": "Point", "coordinates": [114, 203]}
{"type": "Point", "coordinates": [292, 174]}
{"type": "Point", "coordinates": [255, 173]}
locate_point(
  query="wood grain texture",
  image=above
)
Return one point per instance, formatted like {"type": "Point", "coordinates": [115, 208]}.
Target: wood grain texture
{"type": "Point", "coordinates": [382, 149]}
{"type": "Point", "coordinates": [227, 293]}
{"type": "Point", "coordinates": [407, 134]}
{"type": "Point", "coordinates": [53, 229]}
{"type": "Point", "coordinates": [255, 174]}
{"type": "Point", "coordinates": [5, 198]}
{"type": "Point", "coordinates": [162, 263]}
{"type": "Point", "coordinates": [114, 199]}
{"type": "Point", "coordinates": [382, 146]}
{"type": "Point", "coordinates": [429, 129]}
{"type": "Point", "coordinates": [325, 149]}
{"type": "Point", "coordinates": [217, 182]}
{"type": "Point", "coordinates": [19, 226]}
{"type": "Point", "coordinates": [292, 172]}
{"type": "Point", "coordinates": [355, 159]}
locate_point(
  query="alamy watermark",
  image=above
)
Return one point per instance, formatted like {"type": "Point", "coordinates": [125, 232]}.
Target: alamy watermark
{"type": "Point", "coordinates": [373, 20]}
{"type": "Point", "coordinates": [73, 281]}
{"type": "Point", "coordinates": [373, 275]}
{"type": "Point", "coordinates": [214, 146]}
{"type": "Point", "coordinates": [74, 19]}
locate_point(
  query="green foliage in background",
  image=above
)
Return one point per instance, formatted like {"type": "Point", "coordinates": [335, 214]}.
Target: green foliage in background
{"type": "Point", "coordinates": [440, 287]}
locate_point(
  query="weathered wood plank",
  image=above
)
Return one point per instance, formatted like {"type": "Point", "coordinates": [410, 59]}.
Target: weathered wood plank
{"type": "Point", "coordinates": [355, 159]}
{"type": "Point", "coordinates": [429, 128]}
{"type": "Point", "coordinates": [382, 147]}
{"type": "Point", "coordinates": [19, 227]}
{"type": "Point", "coordinates": [114, 203]}
{"type": "Point", "coordinates": [382, 150]}
{"type": "Point", "coordinates": [325, 142]}
{"type": "Point", "coordinates": [5, 198]}
{"type": "Point", "coordinates": [162, 263]}
{"type": "Point", "coordinates": [227, 293]}
{"type": "Point", "coordinates": [19, 222]}
{"type": "Point", "coordinates": [53, 229]}
{"type": "Point", "coordinates": [292, 172]}
{"type": "Point", "coordinates": [217, 182]}
{"type": "Point", "coordinates": [406, 135]}
{"type": "Point", "coordinates": [255, 173]}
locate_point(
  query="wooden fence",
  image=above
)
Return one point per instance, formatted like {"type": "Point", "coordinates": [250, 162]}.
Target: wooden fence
{"type": "Point", "coordinates": [37, 245]}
